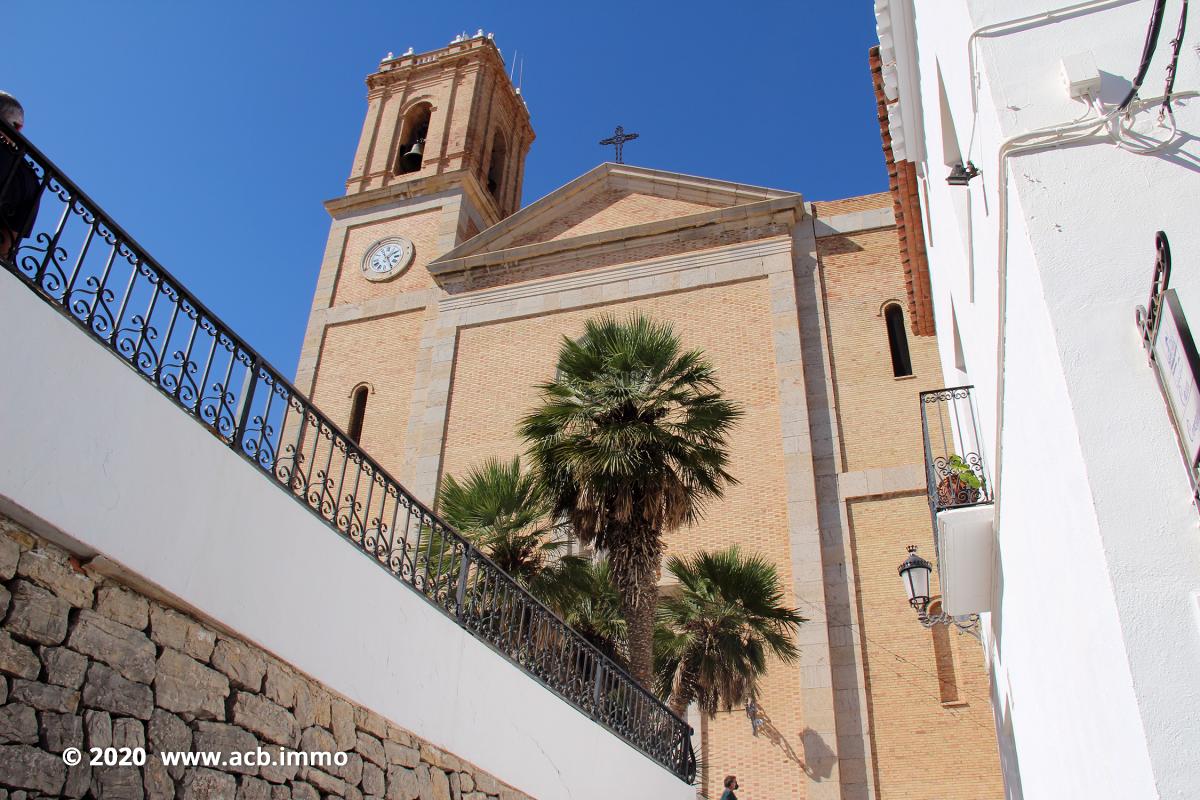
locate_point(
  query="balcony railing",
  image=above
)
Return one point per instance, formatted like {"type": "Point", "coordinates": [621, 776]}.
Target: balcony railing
{"type": "Point", "coordinates": [94, 273]}
{"type": "Point", "coordinates": [955, 472]}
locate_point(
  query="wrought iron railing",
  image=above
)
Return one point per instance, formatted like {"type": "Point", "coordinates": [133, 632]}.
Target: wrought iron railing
{"type": "Point", "coordinates": [955, 472]}
{"type": "Point", "coordinates": [89, 269]}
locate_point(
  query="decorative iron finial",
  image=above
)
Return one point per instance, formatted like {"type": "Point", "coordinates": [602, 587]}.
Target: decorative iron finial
{"type": "Point", "coordinates": [618, 139]}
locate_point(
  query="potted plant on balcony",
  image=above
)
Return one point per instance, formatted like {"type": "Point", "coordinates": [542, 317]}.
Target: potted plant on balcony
{"type": "Point", "coordinates": [961, 486]}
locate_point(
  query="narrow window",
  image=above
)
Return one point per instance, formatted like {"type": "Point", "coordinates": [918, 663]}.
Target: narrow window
{"type": "Point", "coordinates": [412, 142]}
{"type": "Point", "coordinates": [897, 341]}
{"type": "Point", "coordinates": [358, 410]}
{"type": "Point", "coordinates": [495, 177]}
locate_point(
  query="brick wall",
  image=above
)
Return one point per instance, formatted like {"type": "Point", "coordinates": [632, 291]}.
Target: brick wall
{"type": "Point", "coordinates": [924, 747]}
{"type": "Point", "coordinates": [496, 371]}
{"type": "Point", "coordinates": [381, 352]}
{"type": "Point", "coordinates": [878, 413]}
{"type": "Point", "coordinates": [88, 661]}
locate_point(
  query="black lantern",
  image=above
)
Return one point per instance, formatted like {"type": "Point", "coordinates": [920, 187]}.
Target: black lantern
{"type": "Point", "coordinates": [915, 574]}
{"type": "Point", "coordinates": [961, 175]}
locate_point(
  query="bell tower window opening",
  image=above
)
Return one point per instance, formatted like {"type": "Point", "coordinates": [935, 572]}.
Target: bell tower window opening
{"type": "Point", "coordinates": [358, 412]}
{"type": "Point", "coordinates": [898, 341]}
{"type": "Point", "coordinates": [412, 146]}
{"type": "Point", "coordinates": [495, 174]}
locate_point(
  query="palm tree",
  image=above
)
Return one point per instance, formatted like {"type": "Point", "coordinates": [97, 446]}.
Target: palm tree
{"type": "Point", "coordinates": [630, 444]}
{"type": "Point", "coordinates": [714, 636]}
{"type": "Point", "coordinates": [505, 513]}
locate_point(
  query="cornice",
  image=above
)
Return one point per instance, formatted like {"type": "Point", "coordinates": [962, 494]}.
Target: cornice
{"type": "Point", "coordinates": [787, 210]}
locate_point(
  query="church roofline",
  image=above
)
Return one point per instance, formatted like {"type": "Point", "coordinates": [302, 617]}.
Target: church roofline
{"type": "Point", "coordinates": [743, 201]}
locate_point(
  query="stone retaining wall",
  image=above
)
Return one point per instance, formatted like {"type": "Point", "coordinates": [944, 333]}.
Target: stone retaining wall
{"type": "Point", "coordinates": [87, 661]}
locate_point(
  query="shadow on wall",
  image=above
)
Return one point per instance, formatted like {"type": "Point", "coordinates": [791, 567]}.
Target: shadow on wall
{"type": "Point", "coordinates": [761, 723]}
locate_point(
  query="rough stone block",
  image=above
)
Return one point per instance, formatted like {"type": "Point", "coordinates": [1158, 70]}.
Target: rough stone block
{"type": "Point", "coordinates": [17, 659]}
{"type": "Point", "coordinates": [280, 685]}
{"type": "Point", "coordinates": [304, 791]}
{"type": "Point", "coordinates": [281, 773]}
{"type": "Point", "coordinates": [186, 686]}
{"type": "Point", "coordinates": [440, 758]}
{"type": "Point", "coordinates": [373, 782]}
{"type": "Point", "coordinates": [79, 780]}
{"type": "Point", "coordinates": [52, 569]}
{"type": "Point", "coordinates": [18, 724]}
{"type": "Point", "coordinates": [317, 740]}
{"type": "Point", "coordinates": [402, 784]}
{"type": "Point", "coordinates": [207, 784]}
{"type": "Point", "coordinates": [351, 772]}
{"type": "Point", "coordinates": [104, 689]}
{"type": "Point", "coordinates": [157, 780]}
{"type": "Point", "coordinates": [169, 733]}
{"type": "Point", "coordinates": [128, 651]}
{"type": "Point", "coordinates": [10, 554]}
{"type": "Point", "coordinates": [440, 783]}
{"type": "Point", "coordinates": [25, 767]}
{"type": "Point", "coordinates": [123, 606]}
{"type": "Point", "coordinates": [270, 721]}
{"type": "Point", "coordinates": [118, 783]}
{"type": "Point", "coordinates": [253, 788]}
{"type": "Point", "coordinates": [60, 731]}
{"type": "Point", "coordinates": [312, 705]}
{"type": "Point", "coordinates": [342, 723]}
{"type": "Point", "coordinates": [64, 667]}
{"type": "Point", "coordinates": [281, 793]}
{"type": "Point", "coordinates": [45, 697]}
{"type": "Point", "coordinates": [466, 781]}
{"type": "Point", "coordinates": [371, 749]}
{"type": "Point", "coordinates": [243, 666]}
{"type": "Point", "coordinates": [172, 629]}
{"type": "Point", "coordinates": [402, 755]}
{"type": "Point", "coordinates": [5, 600]}
{"type": "Point", "coordinates": [129, 733]}
{"type": "Point", "coordinates": [36, 614]}
{"type": "Point", "coordinates": [219, 737]}
{"type": "Point", "coordinates": [367, 720]}
{"type": "Point", "coordinates": [323, 781]}
{"type": "Point", "coordinates": [98, 725]}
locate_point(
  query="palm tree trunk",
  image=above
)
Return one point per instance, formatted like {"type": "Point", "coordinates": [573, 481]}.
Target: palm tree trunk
{"type": "Point", "coordinates": [635, 571]}
{"type": "Point", "coordinates": [683, 689]}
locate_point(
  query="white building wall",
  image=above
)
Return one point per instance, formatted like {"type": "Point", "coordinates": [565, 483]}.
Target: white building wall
{"type": "Point", "coordinates": [96, 458]}
{"type": "Point", "coordinates": [1095, 642]}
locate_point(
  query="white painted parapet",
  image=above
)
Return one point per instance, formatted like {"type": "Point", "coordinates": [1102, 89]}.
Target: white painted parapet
{"type": "Point", "coordinates": [94, 457]}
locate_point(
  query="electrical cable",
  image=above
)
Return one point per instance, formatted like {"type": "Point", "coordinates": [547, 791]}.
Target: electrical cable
{"type": "Point", "coordinates": [1156, 18]}
{"type": "Point", "coordinates": [1176, 44]}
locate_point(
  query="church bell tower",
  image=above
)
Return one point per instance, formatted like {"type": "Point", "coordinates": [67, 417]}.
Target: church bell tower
{"type": "Point", "coordinates": [441, 157]}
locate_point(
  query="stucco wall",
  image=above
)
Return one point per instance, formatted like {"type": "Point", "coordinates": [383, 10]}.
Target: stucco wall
{"type": "Point", "coordinates": [1095, 647]}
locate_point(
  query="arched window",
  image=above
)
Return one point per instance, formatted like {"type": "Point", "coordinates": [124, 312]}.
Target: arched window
{"type": "Point", "coordinates": [897, 340]}
{"type": "Point", "coordinates": [495, 176]}
{"type": "Point", "coordinates": [412, 142]}
{"type": "Point", "coordinates": [358, 412]}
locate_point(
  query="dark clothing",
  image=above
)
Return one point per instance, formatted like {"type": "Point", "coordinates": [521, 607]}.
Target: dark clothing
{"type": "Point", "coordinates": [20, 198]}
{"type": "Point", "coordinates": [728, 795]}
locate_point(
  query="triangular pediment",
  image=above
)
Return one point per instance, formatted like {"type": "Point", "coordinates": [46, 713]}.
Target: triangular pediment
{"type": "Point", "coordinates": [610, 202]}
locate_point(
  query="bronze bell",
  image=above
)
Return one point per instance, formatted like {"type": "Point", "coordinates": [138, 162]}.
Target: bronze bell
{"type": "Point", "coordinates": [412, 159]}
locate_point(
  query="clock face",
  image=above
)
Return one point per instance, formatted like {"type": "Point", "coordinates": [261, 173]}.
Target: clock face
{"type": "Point", "coordinates": [387, 258]}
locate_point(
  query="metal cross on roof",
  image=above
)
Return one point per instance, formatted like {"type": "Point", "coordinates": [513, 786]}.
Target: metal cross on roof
{"type": "Point", "coordinates": [618, 139]}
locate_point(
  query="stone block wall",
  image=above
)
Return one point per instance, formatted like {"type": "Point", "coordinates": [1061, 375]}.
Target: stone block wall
{"type": "Point", "coordinates": [87, 660]}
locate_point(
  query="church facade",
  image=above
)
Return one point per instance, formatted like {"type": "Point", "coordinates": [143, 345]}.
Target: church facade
{"type": "Point", "coordinates": [440, 305]}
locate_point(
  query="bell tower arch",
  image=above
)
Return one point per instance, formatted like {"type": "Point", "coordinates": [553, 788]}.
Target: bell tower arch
{"type": "Point", "coordinates": [440, 158]}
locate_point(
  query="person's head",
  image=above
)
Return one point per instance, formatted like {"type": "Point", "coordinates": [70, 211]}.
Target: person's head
{"type": "Point", "coordinates": [11, 111]}
{"type": "Point", "coordinates": [731, 782]}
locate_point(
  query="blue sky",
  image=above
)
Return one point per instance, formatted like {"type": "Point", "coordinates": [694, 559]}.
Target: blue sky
{"type": "Point", "coordinates": [212, 131]}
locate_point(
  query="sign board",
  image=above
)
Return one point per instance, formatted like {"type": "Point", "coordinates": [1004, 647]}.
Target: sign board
{"type": "Point", "coordinates": [1179, 367]}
